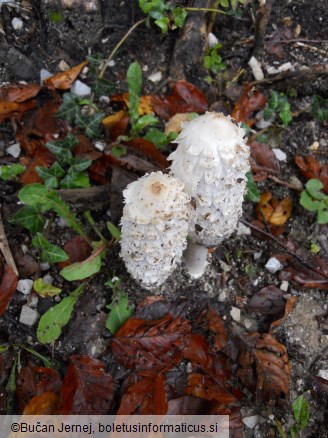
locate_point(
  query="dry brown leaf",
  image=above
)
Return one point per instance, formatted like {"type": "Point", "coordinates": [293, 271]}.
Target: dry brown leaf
{"type": "Point", "coordinates": [272, 211]}
{"type": "Point", "coordinates": [46, 403]}
{"type": "Point", "coordinates": [290, 304]}
{"type": "Point", "coordinates": [64, 80]}
{"type": "Point", "coordinates": [250, 101]}
{"type": "Point", "coordinates": [113, 119]}
{"type": "Point", "coordinates": [7, 107]}
{"type": "Point", "coordinates": [19, 92]}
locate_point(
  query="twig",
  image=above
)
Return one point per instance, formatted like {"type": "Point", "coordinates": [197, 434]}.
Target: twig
{"type": "Point", "coordinates": [260, 26]}
{"type": "Point", "coordinates": [118, 45]}
{"type": "Point", "coordinates": [281, 245]}
{"type": "Point", "coordinates": [5, 249]}
{"type": "Point", "coordinates": [285, 183]}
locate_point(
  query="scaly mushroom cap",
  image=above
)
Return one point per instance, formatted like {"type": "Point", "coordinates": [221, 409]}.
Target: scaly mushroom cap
{"type": "Point", "coordinates": [212, 160]}
{"type": "Point", "coordinates": [154, 227]}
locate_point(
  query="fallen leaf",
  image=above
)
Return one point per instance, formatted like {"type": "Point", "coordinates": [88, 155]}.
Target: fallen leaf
{"type": "Point", "coordinates": [87, 389]}
{"type": "Point", "coordinates": [64, 80]}
{"type": "Point", "coordinates": [33, 381]}
{"type": "Point", "coordinates": [46, 403]}
{"type": "Point", "coordinates": [290, 304]}
{"type": "Point", "coordinates": [184, 98]}
{"type": "Point", "coordinates": [312, 168]}
{"type": "Point", "coordinates": [113, 119]}
{"type": "Point", "coordinates": [150, 150]}
{"type": "Point", "coordinates": [144, 108]}
{"type": "Point", "coordinates": [264, 366]}
{"type": "Point", "coordinates": [263, 160]}
{"type": "Point", "coordinates": [250, 101]}
{"type": "Point", "coordinates": [43, 158]}
{"type": "Point", "coordinates": [215, 325]}
{"type": "Point", "coordinates": [7, 287]}
{"type": "Point", "coordinates": [195, 349]}
{"type": "Point", "coordinates": [77, 249]}
{"type": "Point", "coordinates": [145, 397]}
{"type": "Point", "coordinates": [19, 92]}
{"type": "Point", "coordinates": [187, 405]}
{"type": "Point", "coordinates": [200, 385]}
{"type": "Point", "coordinates": [272, 211]}
{"type": "Point", "coordinates": [7, 107]}
{"type": "Point", "coordinates": [150, 344]}
{"type": "Point", "coordinates": [268, 301]}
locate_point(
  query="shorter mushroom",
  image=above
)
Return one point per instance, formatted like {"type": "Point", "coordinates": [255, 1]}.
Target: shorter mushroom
{"type": "Point", "coordinates": [154, 227]}
{"type": "Point", "coordinates": [212, 159]}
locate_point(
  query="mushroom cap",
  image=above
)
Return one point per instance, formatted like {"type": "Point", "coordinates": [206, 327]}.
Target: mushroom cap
{"type": "Point", "coordinates": [212, 161]}
{"type": "Point", "coordinates": [154, 227]}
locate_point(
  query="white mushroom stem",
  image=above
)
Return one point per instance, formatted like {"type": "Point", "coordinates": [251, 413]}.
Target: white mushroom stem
{"type": "Point", "coordinates": [195, 259]}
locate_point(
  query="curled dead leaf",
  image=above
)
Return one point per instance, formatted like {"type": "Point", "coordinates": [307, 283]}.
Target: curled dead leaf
{"type": "Point", "coordinates": [250, 101]}
{"type": "Point", "coordinates": [46, 403]}
{"type": "Point", "coordinates": [272, 211]}
{"type": "Point", "coordinates": [64, 80]}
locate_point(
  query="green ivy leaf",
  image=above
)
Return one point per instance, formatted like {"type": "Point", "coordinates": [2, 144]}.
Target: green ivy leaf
{"type": "Point", "coordinates": [86, 268]}
{"type": "Point", "coordinates": [28, 217]}
{"type": "Point", "coordinates": [179, 16]}
{"type": "Point", "coordinates": [51, 175]}
{"type": "Point", "coordinates": [79, 164]}
{"type": "Point", "coordinates": [62, 148]}
{"type": "Point", "coordinates": [319, 108]}
{"type": "Point", "coordinates": [119, 150]}
{"type": "Point", "coordinates": [301, 412]}
{"type": "Point", "coordinates": [49, 253]}
{"type": "Point", "coordinates": [160, 139]}
{"type": "Point", "coordinates": [35, 195]}
{"type": "Point", "coordinates": [90, 123]}
{"type": "Point", "coordinates": [69, 108]}
{"type": "Point", "coordinates": [52, 322]}
{"type": "Point", "coordinates": [11, 171]}
{"type": "Point", "coordinates": [45, 290]}
{"type": "Point", "coordinates": [143, 122]}
{"type": "Point", "coordinates": [75, 180]}
{"type": "Point", "coordinates": [285, 114]}
{"type": "Point", "coordinates": [114, 231]}
{"type": "Point", "coordinates": [313, 187]}
{"type": "Point", "coordinates": [134, 79]}
{"type": "Point", "coordinates": [253, 194]}
{"type": "Point", "coordinates": [120, 312]}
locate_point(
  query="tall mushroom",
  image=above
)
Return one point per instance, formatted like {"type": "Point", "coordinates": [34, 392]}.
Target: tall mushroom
{"type": "Point", "coordinates": [212, 161]}
{"type": "Point", "coordinates": [154, 227]}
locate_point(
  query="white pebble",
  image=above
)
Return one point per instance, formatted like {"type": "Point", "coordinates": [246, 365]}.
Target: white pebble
{"type": "Point", "coordinates": [284, 286]}
{"type": "Point", "coordinates": [212, 40]}
{"type": "Point", "coordinates": [243, 230]}
{"type": "Point", "coordinates": [257, 71]}
{"type": "Point", "coordinates": [25, 286]}
{"type": "Point", "coordinates": [48, 279]}
{"type": "Point", "coordinates": [155, 77]}
{"type": "Point", "coordinates": [44, 266]}
{"type": "Point", "coordinates": [253, 421]}
{"type": "Point", "coordinates": [257, 255]}
{"type": "Point", "coordinates": [17, 23]}
{"type": "Point", "coordinates": [63, 66]}
{"type": "Point", "coordinates": [273, 265]}
{"type": "Point", "coordinates": [100, 145]}
{"type": "Point", "coordinates": [224, 266]}
{"type": "Point", "coordinates": [280, 155]}
{"type": "Point", "coordinates": [104, 99]}
{"type": "Point", "coordinates": [80, 89]}
{"type": "Point", "coordinates": [111, 63]}
{"type": "Point", "coordinates": [323, 374]}
{"type": "Point", "coordinates": [14, 150]}
{"type": "Point", "coordinates": [44, 74]}
{"type": "Point", "coordinates": [28, 316]}
{"type": "Point", "coordinates": [33, 300]}
{"type": "Point", "coordinates": [235, 313]}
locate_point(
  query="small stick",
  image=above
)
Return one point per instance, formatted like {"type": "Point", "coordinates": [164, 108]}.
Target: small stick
{"type": "Point", "coordinates": [260, 26]}
{"type": "Point", "coordinates": [5, 249]}
{"type": "Point", "coordinates": [270, 236]}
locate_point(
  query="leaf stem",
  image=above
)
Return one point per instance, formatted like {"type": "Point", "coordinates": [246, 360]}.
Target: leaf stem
{"type": "Point", "coordinates": [206, 10]}
{"type": "Point", "coordinates": [91, 221]}
{"type": "Point", "coordinates": [118, 45]}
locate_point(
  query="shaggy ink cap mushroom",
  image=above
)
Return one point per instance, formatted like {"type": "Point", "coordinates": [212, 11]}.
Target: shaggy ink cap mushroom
{"type": "Point", "coordinates": [154, 227]}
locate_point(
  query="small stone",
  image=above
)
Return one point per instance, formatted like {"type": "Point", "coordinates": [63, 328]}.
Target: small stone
{"type": "Point", "coordinates": [280, 155]}
{"type": "Point", "coordinates": [296, 183]}
{"type": "Point", "coordinates": [111, 63]}
{"type": "Point", "coordinates": [285, 67]}
{"type": "Point", "coordinates": [235, 314]}
{"type": "Point", "coordinates": [257, 71]}
{"type": "Point", "coordinates": [253, 421]}
{"type": "Point", "coordinates": [48, 279]}
{"type": "Point", "coordinates": [155, 77]}
{"type": "Point", "coordinates": [224, 266]}
{"type": "Point", "coordinates": [284, 286]}
{"type": "Point", "coordinates": [323, 374]}
{"type": "Point", "coordinates": [257, 255]}
{"type": "Point", "coordinates": [28, 316]}
{"type": "Point", "coordinates": [249, 323]}
{"type": "Point", "coordinates": [273, 265]}
{"type": "Point", "coordinates": [32, 300]}
{"type": "Point", "coordinates": [14, 150]}
{"type": "Point", "coordinates": [314, 146]}
{"type": "Point", "coordinates": [61, 222]}
{"type": "Point", "coordinates": [25, 286]}
{"type": "Point", "coordinates": [104, 99]}
{"type": "Point", "coordinates": [100, 145]}
{"type": "Point", "coordinates": [44, 266]}
{"type": "Point", "coordinates": [212, 40]}
{"type": "Point", "coordinates": [80, 89]}
{"type": "Point", "coordinates": [44, 74]}
{"type": "Point", "coordinates": [261, 123]}
{"type": "Point", "coordinates": [243, 230]}
{"type": "Point", "coordinates": [63, 66]}
{"type": "Point", "coordinates": [222, 296]}
{"type": "Point", "coordinates": [17, 23]}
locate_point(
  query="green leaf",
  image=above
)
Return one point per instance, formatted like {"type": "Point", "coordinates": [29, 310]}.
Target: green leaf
{"type": "Point", "coordinates": [274, 100]}
{"type": "Point", "coordinates": [90, 123]}
{"type": "Point", "coordinates": [179, 16]}
{"type": "Point", "coordinates": [3, 348]}
{"type": "Point", "coordinates": [143, 122]}
{"type": "Point", "coordinates": [308, 203]}
{"type": "Point", "coordinates": [86, 268]}
{"type": "Point", "coordinates": [52, 322]}
{"type": "Point", "coordinates": [11, 171]}
{"type": "Point", "coordinates": [44, 289]}
{"type": "Point", "coordinates": [69, 108]}
{"type": "Point", "coordinates": [62, 148]}
{"type": "Point", "coordinates": [51, 175]}
{"type": "Point", "coordinates": [319, 108]}
{"type": "Point", "coordinates": [11, 390]}
{"type": "Point", "coordinates": [46, 362]}
{"type": "Point", "coordinates": [79, 164]}
{"type": "Point", "coordinates": [75, 180]}
{"type": "Point", "coordinates": [28, 217]}
{"type": "Point", "coordinates": [285, 114]}
{"type": "Point", "coordinates": [119, 150]}
{"type": "Point", "coordinates": [301, 411]}
{"type": "Point", "coordinates": [120, 312]}
{"type": "Point", "coordinates": [294, 432]}
{"type": "Point", "coordinates": [115, 231]}
{"type": "Point", "coordinates": [322, 216]}
{"type": "Point", "coordinates": [35, 195]}
{"type": "Point", "coordinates": [224, 3]}
{"type": "Point", "coordinates": [253, 194]}
{"type": "Point", "coordinates": [49, 253]}
{"type": "Point", "coordinates": [158, 137]}
{"type": "Point", "coordinates": [315, 248]}
{"type": "Point", "coordinates": [313, 187]}
{"type": "Point", "coordinates": [134, 79]}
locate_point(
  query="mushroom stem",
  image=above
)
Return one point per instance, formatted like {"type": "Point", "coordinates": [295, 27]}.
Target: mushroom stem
{"type": "Point", "coordinates": [195, 259]}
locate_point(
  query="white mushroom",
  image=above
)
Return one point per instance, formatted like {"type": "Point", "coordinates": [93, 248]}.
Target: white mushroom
{"type": "Point", "coordinates": [154, 227]}
{"type": "Point", "coordinates": [212, 161]}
